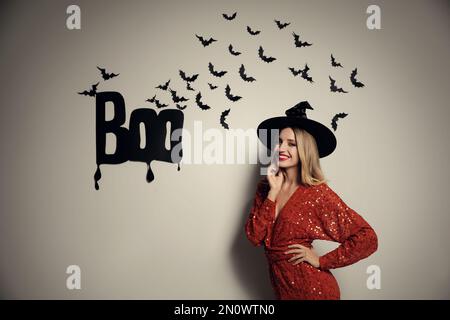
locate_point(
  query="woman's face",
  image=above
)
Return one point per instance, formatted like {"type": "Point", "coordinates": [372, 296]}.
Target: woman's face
{"type": "Point", "coordinates": [287, 147]}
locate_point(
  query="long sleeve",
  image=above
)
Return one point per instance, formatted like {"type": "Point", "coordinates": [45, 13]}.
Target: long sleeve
{"type": "Point", "coordinates": [342, 224]}
{"type": "Point", "coordinates": [258, 226]}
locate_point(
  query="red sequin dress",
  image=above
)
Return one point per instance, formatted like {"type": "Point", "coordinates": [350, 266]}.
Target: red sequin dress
{"type": "Point", "coordinates": [312, 212]}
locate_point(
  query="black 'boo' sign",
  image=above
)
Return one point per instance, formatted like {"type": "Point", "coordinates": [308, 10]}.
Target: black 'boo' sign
{"type": "Point", "coordinates": [128, 140]}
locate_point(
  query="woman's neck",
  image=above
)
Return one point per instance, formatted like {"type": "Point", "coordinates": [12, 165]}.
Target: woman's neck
{"type": "Point", "coordinates": [291, 177]}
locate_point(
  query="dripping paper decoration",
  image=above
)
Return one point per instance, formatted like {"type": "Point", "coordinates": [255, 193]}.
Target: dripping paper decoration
{"type": "Point", "coordinates": [128, 140]}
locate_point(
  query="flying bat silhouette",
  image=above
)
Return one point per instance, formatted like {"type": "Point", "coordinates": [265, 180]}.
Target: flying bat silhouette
{"type": "Point", "coordinates": [355, 82]}
{"type": "Point", "coordinates": [234, 53]}
{"type": "Point", "coordinates": [230, 96]}
{"type": "Point", "coordinates": [215, 73]}
{"type": "Point", "coordinates": [163, 87]}
{"type": "Point", "coordinates": [229, 17]}
{"type": "Point", "coordinates": [92, 92]}
{"type": "Point", "coordinates": [175, 98]}
{"type": "Point", "coordinates": [281, 25]}
{"type": "Point", "coordinates": [298, 42]}
{"type": "Point", "coordinates": [334, 63]}
{"type": "Point", "coordinates": [205, 42]}
{"type": "Point", "coordinates": [156, 102]}
{"type": "Point", "coordinates": [152, 99]}
{"type": "Point", "coordinates": [253, 33]}
{"type": "Point", "coordinates": [244, 76]}
{"type": "Point", "coordinates": [211, 86]}
{"type": "Point", "coordinates": [302, 72]}
{"type": "Point", "coordinates": [222, 118]}
{"type": "Point", "coordinates": [186, 78]}
{"type": "Point", "coordinates": [188, 86]}
{"type": "Point", "coordinates": [200, 103]}
{"type": "Point", "coordinates": [181, 107]}
{"type": "Point", "coordinates": [333, 86]}
{"type": "Point", "coordinates": [336, 118]}
{"type": "Point", "coordinates": [263, 57]}
{"type": "Point", "coordinates": [105, 75]}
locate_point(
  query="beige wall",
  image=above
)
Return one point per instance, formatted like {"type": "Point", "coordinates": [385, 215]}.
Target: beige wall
{"type": "Point", "coordinates": [130, 238]}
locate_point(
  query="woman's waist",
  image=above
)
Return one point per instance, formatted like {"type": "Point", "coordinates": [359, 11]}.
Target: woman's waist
{"type": "Point", "coordinates": [276, 252]}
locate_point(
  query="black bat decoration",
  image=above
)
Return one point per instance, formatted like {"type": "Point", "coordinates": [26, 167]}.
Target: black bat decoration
{"type": "Point", "coordinates": [234, 53]}
{"type": "Point", "coordinates": [302, 72]}
{"type": "Point", "coordinates": [263, 57]}
{"type": "Point", "coordinates": [200, 103]}
{"type": "Point", "coordinates": [152, 99]}
{"type": "Point", "coordinates": [181, 107]}
{"type": "Point", "coordinates": [229, 17]}
{"type": "Point", "coordinates": [215, 73]}
{"type": "Point", "coordinates": [355, 82]}
{"type": "Point", "coordinates": [205, 42]}
{"type": "Point", "coordinates": [334, 63]}
{"type": "Point", "coordinates": [188, 86]}
{"type": "Point", "coordinates": [281, 25]}
{"type": "Point", "coordinates": [176, 98]}
{"type": "Point", "coordinates": [222, 118]}
{"type": "Point", "coordinates": [244, 76]}
{"type": "Point", "coordinates": [163, 87]}
{"type": "Point", "coordinates": [186, 78]}
{"type": "Point", "coordinates": [92, 92]}
{"type": "Point", "coordinates": [157, 102]}
{"type": "Point", "coordinates": [105, 75]}
{"type": "Point", "coordinates": [211, 86]}
{"type": "Point", "coordinates": [333, 86]}
{"type": "Point", "coordinates": [230, 96]}
{"type": "Point", "coordinates": [298, 42]}
{"type": "Point", "coordinates": [253, 33]}
{"type": "Point", "coordinates": [336, 118]}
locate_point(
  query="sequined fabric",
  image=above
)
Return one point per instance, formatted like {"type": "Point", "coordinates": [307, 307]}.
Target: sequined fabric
{"type": "Point", "coordinates": [312, 212]}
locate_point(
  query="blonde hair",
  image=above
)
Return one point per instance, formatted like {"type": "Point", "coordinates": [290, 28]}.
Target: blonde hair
{"type": "Point", "coordinates": [309, 160]}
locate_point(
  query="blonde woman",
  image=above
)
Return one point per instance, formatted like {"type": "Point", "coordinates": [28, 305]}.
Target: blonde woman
{"type": "Point", "coordinates": [294, 205]}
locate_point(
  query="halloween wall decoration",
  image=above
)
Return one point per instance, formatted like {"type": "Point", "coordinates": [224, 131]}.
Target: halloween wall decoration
{"type": "Point", "coordinates": [128, 139]}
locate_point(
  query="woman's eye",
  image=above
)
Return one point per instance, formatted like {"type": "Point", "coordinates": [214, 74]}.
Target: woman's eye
{"type": "Point", "coordinates": [292, 145]}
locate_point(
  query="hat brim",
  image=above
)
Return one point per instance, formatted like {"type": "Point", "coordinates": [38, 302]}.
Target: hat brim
{"type": "Point", "coordinates": [325, 138]}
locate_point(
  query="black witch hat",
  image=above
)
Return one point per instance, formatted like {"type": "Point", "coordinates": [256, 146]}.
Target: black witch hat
{"type": "Point", "coordinates": [296, 117]}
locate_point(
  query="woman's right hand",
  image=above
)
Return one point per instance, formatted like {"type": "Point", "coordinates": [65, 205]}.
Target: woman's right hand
{"type": "Point", "coordinates": [275, 178]}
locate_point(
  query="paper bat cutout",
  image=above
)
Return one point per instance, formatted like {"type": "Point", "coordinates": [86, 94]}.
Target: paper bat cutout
{"type": "Point", "coordinates": [157, 102]}
{"type": "Point", "coordinates": [333, 86]}
{"type": "Point", "coordinates": [230, 96]}
{"type": "Point", "coordinates": [215, 73]}
{"type": "Point", "coordinates": [234, 53]}
{"type": "Point", "coordinates": [181, 107]}
{"type": "Point", "coordinates": [253, 33]}
{"type": "Point", "coordinates": [200, 103]}
{"type": "Point", "coordinates": [302, 72]}
{"type": "Point", "coordinates": [176, 98]}
{"type": "Point", "coordinates": [163, 87]}
{"type": "Point", "coordinates": [334, 63]}
{"type": "Point", "coordinates": [336, 118]}
{"type": "Point", "coordinates": [186, 78]}
{"type": "Point", "coordinates": [298, 42]}
{"type": "Point", "coordinates": [92, 92]}
{"type": "Point", "coordinates": [105, 75]}
{"type": "Point", "coordinates": [281, 25]}
{"type": "Point", "coordinates": [222, 118]}
{"type": "Point", "coordinates": [355, 82]}
{"type": "Point", "coordinates": [229, 17]}
{"type": "Point", "coordinates": [263, 57]}
{"type": "Point", "coordinates": [211, 86]}
{"type": "Point", "coordinates": [244, 76]}
{"type": "Point", "coordinates": [188, 86]}
{"type": "Point", "coordinates": [205, 42]}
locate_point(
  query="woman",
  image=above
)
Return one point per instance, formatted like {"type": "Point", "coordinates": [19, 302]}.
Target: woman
{"type": "Point", "coordinates": [294, 205]}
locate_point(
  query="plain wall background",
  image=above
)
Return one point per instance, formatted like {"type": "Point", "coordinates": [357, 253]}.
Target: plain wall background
{"type": "Point", "coordinates": [182, 236]}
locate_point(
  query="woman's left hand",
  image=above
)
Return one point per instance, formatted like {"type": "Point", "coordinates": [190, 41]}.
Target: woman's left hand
{"type": "Point", "coordinates": [303, 253]}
